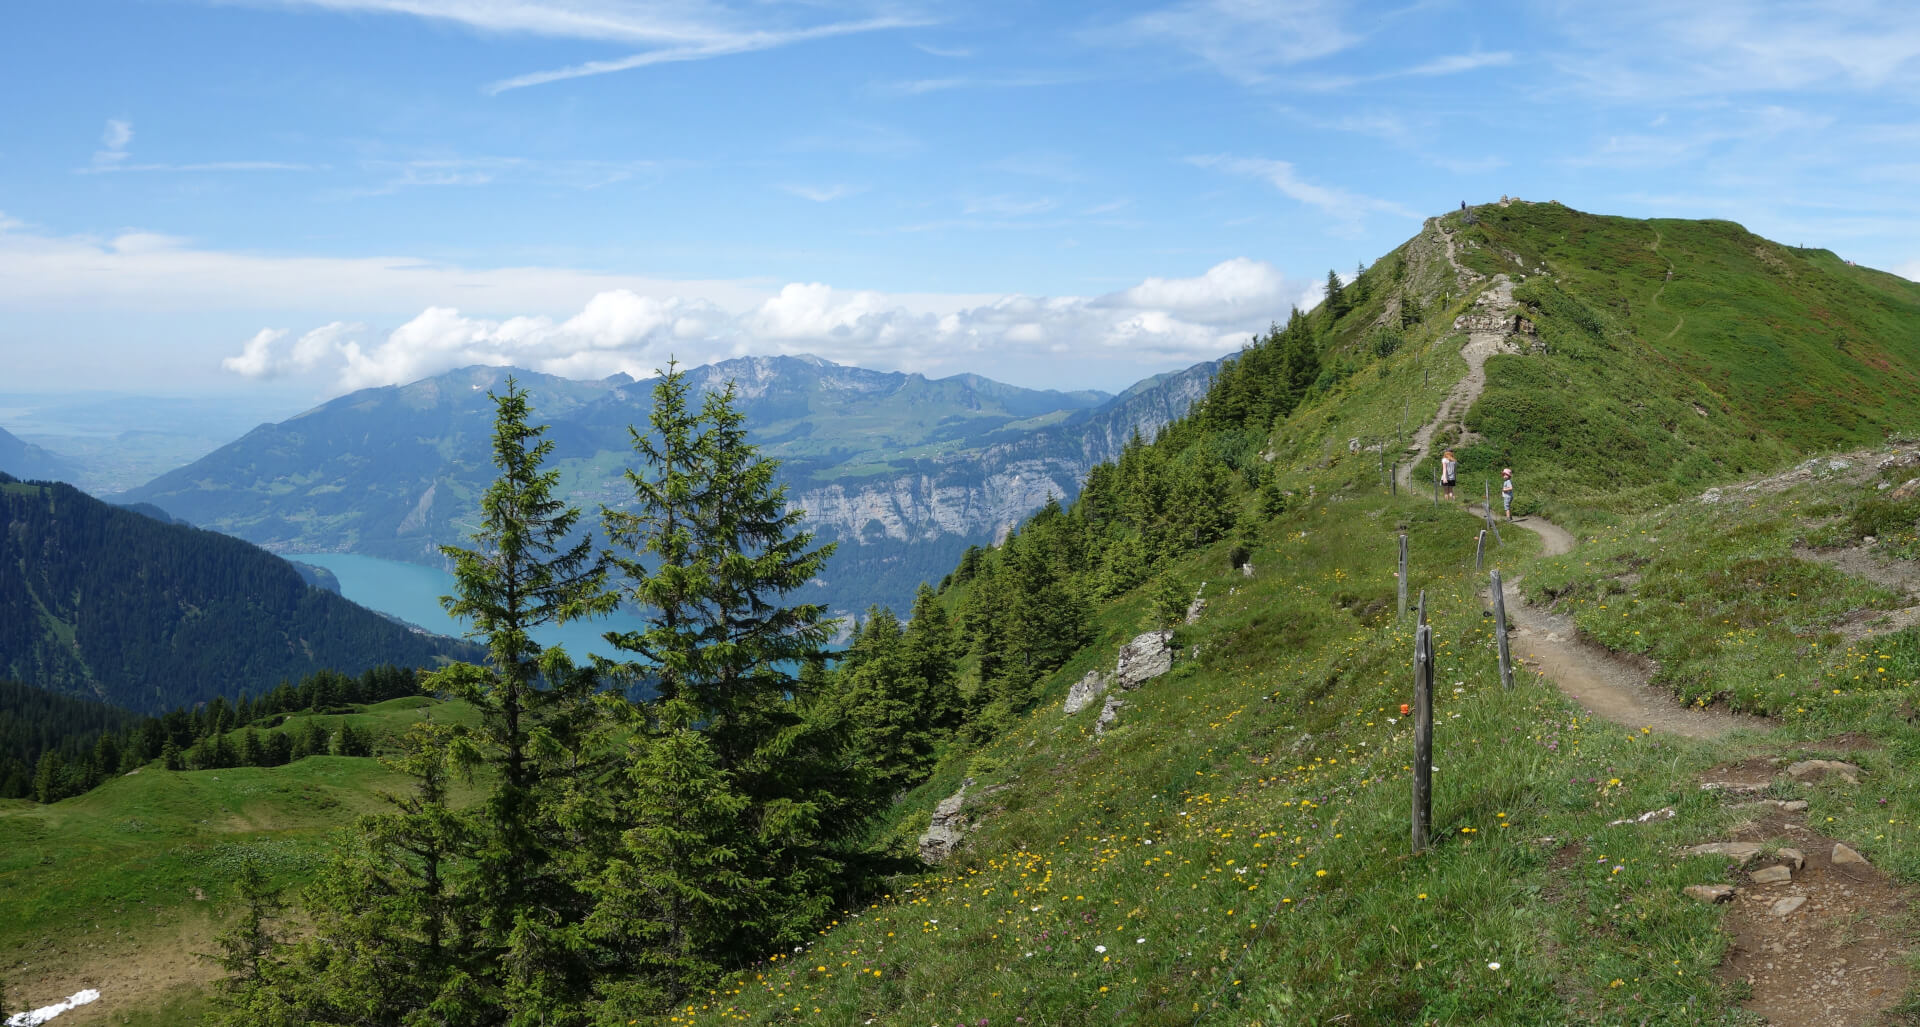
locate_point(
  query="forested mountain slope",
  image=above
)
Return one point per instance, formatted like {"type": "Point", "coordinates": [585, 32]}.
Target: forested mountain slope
{"type": "Point", "coordinates": [903, 470]}
{"type": "Point", "coordinates": [111, 604]}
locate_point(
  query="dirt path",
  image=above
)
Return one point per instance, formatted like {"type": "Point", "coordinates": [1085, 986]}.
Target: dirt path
{"type": "Point", "coordinates": [1657, 293]}
{"type": "Point", "coordinates": [1609, 685]}
{"type": "Point", "coordinates": [1486, 327]}
{"type": "Point", "coordinates": [1818, 932]}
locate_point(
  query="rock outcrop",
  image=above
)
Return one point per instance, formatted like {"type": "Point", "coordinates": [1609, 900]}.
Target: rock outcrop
{"type": "Point", "coordinates": [1143, 659]}
{"type": "Point", "coordinates": [946, 830]}
{"type": "Point", "coordinates": [1085, 691]}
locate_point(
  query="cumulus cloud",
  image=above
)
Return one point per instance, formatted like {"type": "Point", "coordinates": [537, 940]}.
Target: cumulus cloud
{"type": "Point", "coordinates": [1159, 323]}
{"type": "Point", "coordinates": [1910, 270]}
{"type": "Point", "coordinates": [255, 359]}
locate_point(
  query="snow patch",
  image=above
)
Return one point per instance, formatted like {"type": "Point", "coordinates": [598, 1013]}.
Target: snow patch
{"type": "Point", "coordinates": [39, 1016]}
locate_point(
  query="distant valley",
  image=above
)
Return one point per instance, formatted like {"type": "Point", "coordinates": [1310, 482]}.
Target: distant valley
{"type": "Point", "coordinates": [903, 471]}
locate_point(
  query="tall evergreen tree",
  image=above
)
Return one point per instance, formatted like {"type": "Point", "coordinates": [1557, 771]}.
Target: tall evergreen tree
{"type": "Point", "coordinates": [711, 551]}
{"type": "Point", "coordinates": [1336, 302]}
{"type": "Point", "coordinates": [527, 570]}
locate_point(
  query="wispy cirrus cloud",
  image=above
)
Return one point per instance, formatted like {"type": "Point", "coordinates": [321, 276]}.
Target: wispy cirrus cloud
{"type": "Point", "coordinates": [1634, 50]}
{"type": "Point", "coordinates": [823, 193]}
{"type": "Point", "coordinates": [923, 86]}
{"type": "Point", "coordinates": [1341, 203]}
{"type": "Point", "coordinates": [117, 137]}
{"type": "Point", "coordinates": [684, 30]}
{"type": "Point", "coordinates": [438, 172]}
{"type": "Point", "coordinates": [746, 42]}
{"type": "Point", "coordinates": [1245, 40]}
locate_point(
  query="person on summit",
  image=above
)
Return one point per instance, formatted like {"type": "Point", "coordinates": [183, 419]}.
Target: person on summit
{"type": "Point", "coordinates": [1506, 491]}
{"type": "Point", "coordinates": [1449, 472]}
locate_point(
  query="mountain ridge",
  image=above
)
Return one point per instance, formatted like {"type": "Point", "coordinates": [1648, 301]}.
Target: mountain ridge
{"type": "Point", "coordinates": [904, 470]}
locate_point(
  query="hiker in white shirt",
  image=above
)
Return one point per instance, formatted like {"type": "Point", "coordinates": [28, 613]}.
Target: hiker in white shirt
{"type": "Point", "coordinates": [1449, 472]}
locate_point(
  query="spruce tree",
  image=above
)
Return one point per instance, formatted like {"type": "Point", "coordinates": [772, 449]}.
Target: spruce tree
{"type": "Point", "coordinates": [930, 651]}
{"type": "Point", "coordinates": [732, 779]}
{"type": "Point", "coordinates": [1336, 302]}
{"type": "Point", "coordinates": [527, 570]}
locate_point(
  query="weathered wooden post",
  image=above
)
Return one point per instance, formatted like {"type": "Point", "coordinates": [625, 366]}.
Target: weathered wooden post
{"type": "Point", "coordinates": [1480, 552]}
{"type": "Point", "coordinates": [1500, 632]}
{"type": "Point", "coordinates": [1393, 477]}
{"type": "Point", "coordinates": [1422, 737]}
{"type": "Point", "coordinates": [1486, 507]}
{"type": "Point", "coordinates": [1436, 484]}
{"type": "Point", "coordinates": [1403, 576]}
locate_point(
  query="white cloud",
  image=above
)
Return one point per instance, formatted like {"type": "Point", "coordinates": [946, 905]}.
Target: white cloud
{"type": "Point", "coordinates": [1159, 323]}
{"type": "Point", "coordinates": [949, 52]}
{"type": "Point", "coordinates": [145, 272]}
{"type": "Point", "coordinates": [684, 30]}
{"type": "Point", "coordinates": [1006, 206]}
{"type": "Point", "coordinates": [1660, 51]}
{"type": "Point", "coordinates": [119, 135]}
{"type": "Point", "coordinates": [1341, 203]}
{"type": "Point", "coordinates": [727, 45]}
{"type": "Point", "coordinates": [1910, 270]}
{"type": "Point", "coordinates": [116, 137]}
{"type": "Point", "coordinates": [1230, 292]}
{"type": "Point", "coordinates": [255, 359]}
{"type": "Point", "coordinates": [822, 193]}
{"type": "Point", "coordinates": [1244, 40]}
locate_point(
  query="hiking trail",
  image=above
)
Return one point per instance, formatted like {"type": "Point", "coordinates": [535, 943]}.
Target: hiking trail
{"type": "Point", "coordinates": [1487, 330]}
{"type": "Point", "coordinates": [1657, 293]}
{"type": "Point", "coordinates": [1610, 685]}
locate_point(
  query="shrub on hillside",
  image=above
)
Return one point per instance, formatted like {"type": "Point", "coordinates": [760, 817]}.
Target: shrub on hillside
{"type": "Point", "coordinates": [1879, 516]}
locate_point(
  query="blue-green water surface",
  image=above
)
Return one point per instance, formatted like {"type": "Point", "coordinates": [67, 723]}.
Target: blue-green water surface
{"type": "Point", "coordinates": [412, 593]}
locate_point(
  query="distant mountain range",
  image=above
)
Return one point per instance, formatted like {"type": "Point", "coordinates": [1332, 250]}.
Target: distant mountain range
{"type": "Point", "coordinates": [118, 606]}
{"type": "Point", "coordinates": [904, 471]}
{"type": "Point", "coordinates": [25, 460]}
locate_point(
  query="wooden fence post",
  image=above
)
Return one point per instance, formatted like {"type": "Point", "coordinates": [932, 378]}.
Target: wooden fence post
{"type": "Point", "coordinates": [1436, 484]}
{"type": "Point", "coordinates": [1403, 576]}
{"type": "Point", "coordinates": [1422, 737]}
{"type": "Point", "coordinates": [1500, 632]}
{"type": "Point", "coordinates": [1480, 552]}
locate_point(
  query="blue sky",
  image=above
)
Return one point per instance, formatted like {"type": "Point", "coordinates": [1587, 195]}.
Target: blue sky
{"type": "Point", "coordinates": [316, 195]}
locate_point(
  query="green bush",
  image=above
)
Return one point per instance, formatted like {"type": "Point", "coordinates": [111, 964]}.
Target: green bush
{"type": "Point", "coordinates": [1877, 515]}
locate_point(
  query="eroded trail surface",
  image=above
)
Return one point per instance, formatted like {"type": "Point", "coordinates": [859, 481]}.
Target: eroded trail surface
{"type": "Point", "coordinates": [1819, 934]}
{"type": "Point", "coordinates": [1607, 684]}
{"type": "Point", "coordinates": [1486, 336]}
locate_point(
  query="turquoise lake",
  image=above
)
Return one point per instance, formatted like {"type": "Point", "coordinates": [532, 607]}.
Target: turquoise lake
{"type": "Point", "coordinates": [412, 593]}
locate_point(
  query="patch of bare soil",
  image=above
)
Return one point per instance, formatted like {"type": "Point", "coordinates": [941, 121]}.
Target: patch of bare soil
{"type": "Point", "coordinates": [1900, 575]}
{"type": "Point", "coordinates": [129, 972]}
{"type": "Point", "coordinates": [1819, 944]}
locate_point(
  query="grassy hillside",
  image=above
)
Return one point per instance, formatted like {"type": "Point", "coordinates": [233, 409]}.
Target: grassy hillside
{"type": "Point", "coordinates": [1234, 850]}
{"type": "Point", "coordinates": [124, 887]}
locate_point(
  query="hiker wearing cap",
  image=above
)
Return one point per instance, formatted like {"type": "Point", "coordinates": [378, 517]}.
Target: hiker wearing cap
{"type": "Point", "coordinates": [1506, 491]}
{"type": "Point", "coordinates": [1449, 471]}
